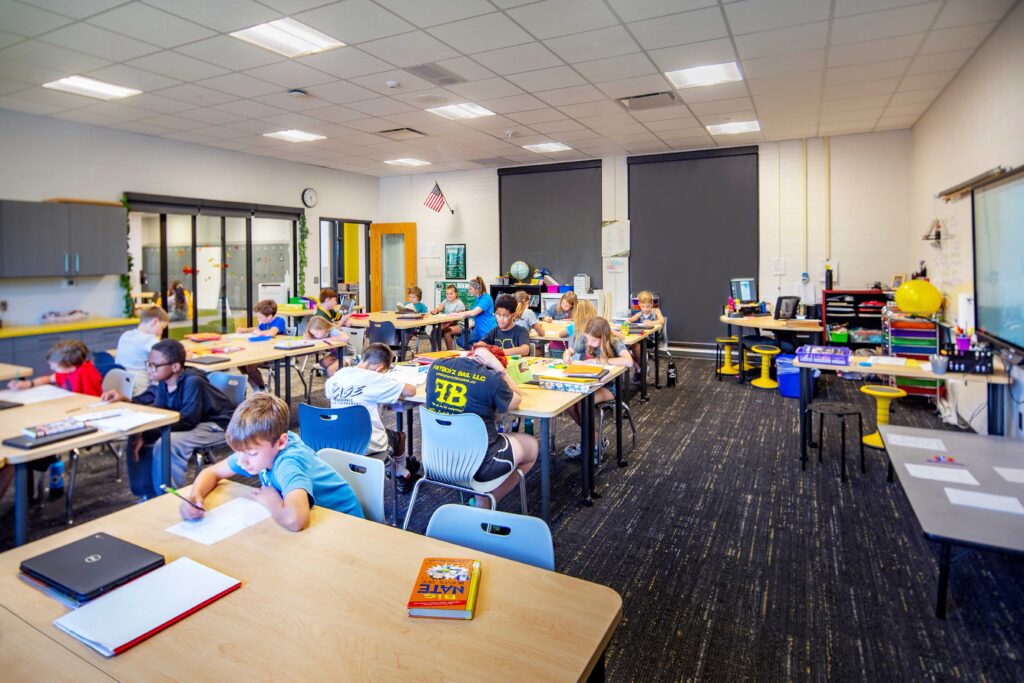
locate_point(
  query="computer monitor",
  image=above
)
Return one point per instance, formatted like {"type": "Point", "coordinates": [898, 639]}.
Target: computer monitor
{"type": "Point", "coordinates": [743, 288]}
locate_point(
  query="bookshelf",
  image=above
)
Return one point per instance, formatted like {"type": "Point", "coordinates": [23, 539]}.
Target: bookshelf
{"type": "Point", "coordinates": [860, 310]}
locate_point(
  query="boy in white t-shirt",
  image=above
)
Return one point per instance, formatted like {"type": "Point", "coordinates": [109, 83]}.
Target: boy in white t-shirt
{"type": "Point", "coordinates": [134, 345]}
{"type": "Point", "coordinates": [366, 385]}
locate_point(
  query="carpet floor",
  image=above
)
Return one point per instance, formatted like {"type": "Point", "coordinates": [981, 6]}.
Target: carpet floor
{"type": "Point", "coordinates": [732, 563]}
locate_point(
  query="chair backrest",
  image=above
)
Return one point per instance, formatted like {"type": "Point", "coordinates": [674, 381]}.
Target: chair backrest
{"type": "Point", "coordinates": [120, 379]}
{"type": "Point", "coordinates": [232, 386]}
{"type": "Point", "coordinates": [382, 332]}
{"type": "Point", "coordinates": [516, 537]}
{"type": "Point", "coordinates": [104, 362]}
{"type": "Point", "coordinates": [356, 340]}
{"type": "Point", "coordinates": [454, 446]}
{"type": "Point", "coordinates": [347, 429]}
{"type": "Point", "coordinates": [365, 476]}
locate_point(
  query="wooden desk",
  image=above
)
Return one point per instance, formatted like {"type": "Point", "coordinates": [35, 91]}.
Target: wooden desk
{"type": "Point", "coordinates": [325, 603]}
{"type": "Point", "coordinates": [767, 322]}
{"type": "Point", "coordinates": [404, 326]}
{"type": "Point", "coordinates": [9, 372]}
{"type": "Point", "coordinates": [961, 525]}
{"type": "Point", "coordinates": [13, 420]}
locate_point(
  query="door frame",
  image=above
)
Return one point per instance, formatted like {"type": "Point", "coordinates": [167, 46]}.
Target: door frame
{"type": "Point", "coordinates": [374, 276]}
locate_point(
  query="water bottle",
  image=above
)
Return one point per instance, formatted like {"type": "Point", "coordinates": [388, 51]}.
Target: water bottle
{"type": "Point", "coordinates": [56, 475]}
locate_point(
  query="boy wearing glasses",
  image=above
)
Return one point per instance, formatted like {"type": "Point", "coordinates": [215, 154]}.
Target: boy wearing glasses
{"type": "Point", "coordinates": [507, 336]}
{"type": "Point", "coordinates": [204, 413]}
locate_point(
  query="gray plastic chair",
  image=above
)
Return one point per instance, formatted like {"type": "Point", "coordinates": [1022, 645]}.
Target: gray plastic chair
{"type": "Point", "coordinates": [516, 537]}
{"type": "Point", "coordinates": [364, 474]}
{"type": "Point", "coordinates": [232, 386]}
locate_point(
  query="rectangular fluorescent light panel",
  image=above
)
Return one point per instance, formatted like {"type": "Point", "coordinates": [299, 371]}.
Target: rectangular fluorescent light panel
{"type": "Point", "coordinates": [734, 127]}
{"type": "Point", "coordinates": [713, 74]}
{"type": "Point", "coordinates": [294, 136]}
{"type": "Point", "coordinates": [468, 110]}
{"type": "Point", "coordinates": [545, 147]}
{"type": "Point", "coordinates": [407, 162]}
{"type": "Point", "coordinates": [288, 37]}
{"type": "Point", "coordinates": [80, 85]}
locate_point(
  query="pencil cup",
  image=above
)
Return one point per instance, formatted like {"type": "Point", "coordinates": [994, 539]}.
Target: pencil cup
{"type": "Point", "coordinates": [963, 343]}
{"type": "Point", "coordinates": [939, 363]}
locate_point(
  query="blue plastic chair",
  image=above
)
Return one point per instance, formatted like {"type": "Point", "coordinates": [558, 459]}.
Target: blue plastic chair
{"type": "Point", "coordinates": [104, 362]}
{"type": "Point", "coordinates": [454, 447]}
{"type": "Point", "coordinates": [384, 332]}
{"type": "Point", "coordinates": [346, 429]}
{"type": "Point", "coordinates": [516, 537]}
{"type": "Point", "coordinates": [232, 386]}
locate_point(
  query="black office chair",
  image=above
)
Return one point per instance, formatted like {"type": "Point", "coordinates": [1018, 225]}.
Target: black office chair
{"type": "Point", "coordinates": [385, 333]}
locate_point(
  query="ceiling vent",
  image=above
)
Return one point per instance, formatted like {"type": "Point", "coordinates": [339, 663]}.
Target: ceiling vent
{"type": "Point", "coordinates": [402, 134]}
{"type": "Point", "coordinates": [436, 74]}
{"type": "Point", "coordinates": [650, 101]}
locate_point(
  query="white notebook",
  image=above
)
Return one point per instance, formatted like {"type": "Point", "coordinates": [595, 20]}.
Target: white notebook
{"type": "Point", "coordinates": [126, 616]}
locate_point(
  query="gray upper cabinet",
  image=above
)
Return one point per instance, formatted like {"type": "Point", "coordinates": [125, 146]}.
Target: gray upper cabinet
{"type": "Point", "coordinates": [41, 239]}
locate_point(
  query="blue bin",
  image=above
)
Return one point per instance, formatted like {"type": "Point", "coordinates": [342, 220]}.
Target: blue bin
{"type": "Point", "coordinates": [788, 375]}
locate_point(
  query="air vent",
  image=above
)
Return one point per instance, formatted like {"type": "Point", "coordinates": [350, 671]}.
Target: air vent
{"type": "Point", "coordinates": [650, 101]}
{"type": "Point", "coordinates": [491, 161]}
{"type": "Point", "coordinates": [402, 134]}
{"type": "Point", "coordinates": [436, 74]}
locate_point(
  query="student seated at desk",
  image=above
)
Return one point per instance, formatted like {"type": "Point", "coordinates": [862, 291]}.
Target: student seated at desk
{"type": "Point", "coordinates": [524, 315]}
{"type": "Point", "coordinates": [563, 310]}
{"type": "Point", "coordinates": [203, 413]}
{"type": "Point", "coordinates": [415, 295]}
{"type": "Point", "coordinates": [318, 328]}
{"type": "Point", "coordinates": [513, 339]}
{"type": "Point", "coordinates": [648, 316]}
{"type": "Point", "coordinates": [268, 324]}
{"type": "Point", "coordinates": [451, 304]}
{"type": "Point", "coordinates": [597, 344]}
{"type": "Point", "coordinates": [72, 370]}
{"type": "Point", "coordinates": [368, 385]}
{"type": "Point", "coordinates": [482, 314]}
{"type": "Point", "coordinates": [478, 383]}
{"type": "Point", "coordinates": [134, 345]}
{"type": "Point", "coordinates": [329, 308]}
{"type": "Point", "coordinates": [292, 477]}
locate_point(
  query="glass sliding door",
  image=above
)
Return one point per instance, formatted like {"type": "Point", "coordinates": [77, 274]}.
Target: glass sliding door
{"type": "Point", "coordinates": [236, 273]}
{"type": "Point", "coordinates": [273, 259]}
{"type": "Point", "coordinates": [179, 297]}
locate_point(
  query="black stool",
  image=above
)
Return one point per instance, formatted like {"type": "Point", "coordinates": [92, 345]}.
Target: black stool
{"type": "Point", "coordinates": [842, 411]}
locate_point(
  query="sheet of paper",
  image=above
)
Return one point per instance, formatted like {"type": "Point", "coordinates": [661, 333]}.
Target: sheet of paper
{"type": "Point", "coordinates": [950, 473]}
{"type": "Point", "coordinates": [887, 360]}
{"type": "Point", "coordinates": [126, 421]}
{"type": "Point", "coordinates": [1011, 474]}
{"type": "Point", "coordinates": [222, 521]}
{"type": "Point", "coordinates": [985, 501]}
{"type": "Point", "coordinates": [615, 238]}
{"type": "Point", "coordinates": [922, 442]}
{"type": "Point", "coordinates": [407, 374]}
{"type": "Point", "coordinates": [46, 392]}
{"type": "Point", "coordinates": [926, 367]}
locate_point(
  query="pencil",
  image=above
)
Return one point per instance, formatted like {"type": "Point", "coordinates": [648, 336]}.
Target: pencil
{"type": "Point", "coordinates": [171, 491]}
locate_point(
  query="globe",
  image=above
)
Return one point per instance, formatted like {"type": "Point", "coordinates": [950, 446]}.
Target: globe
{"type": "Point", "coordinates": [519, 270]}
{"type": "Point", "coordinates": [919, 297]}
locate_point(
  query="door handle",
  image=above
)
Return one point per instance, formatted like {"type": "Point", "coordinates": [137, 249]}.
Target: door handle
{"type": "Point", "coordinates": [65, 264]}
{"type": "Point", "coordinates": [76, 263]}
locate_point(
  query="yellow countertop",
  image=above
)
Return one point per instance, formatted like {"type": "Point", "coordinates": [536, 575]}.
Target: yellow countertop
{"type": "Point", "coordinates": [9, 331]}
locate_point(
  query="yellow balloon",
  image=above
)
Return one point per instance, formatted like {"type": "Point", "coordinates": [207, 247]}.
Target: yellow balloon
{"type": "Point", "coordinates": [919, 297]}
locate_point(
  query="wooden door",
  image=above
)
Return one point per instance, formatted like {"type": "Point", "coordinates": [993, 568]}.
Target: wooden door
{"type": "Point", "coordinates": [377, 265]}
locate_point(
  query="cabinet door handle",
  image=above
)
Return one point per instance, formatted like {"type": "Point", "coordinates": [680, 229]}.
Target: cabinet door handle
{"type": "Point", "coordinates": [76, 263]}
{"type": "Point", "coordinates": [65, 264]}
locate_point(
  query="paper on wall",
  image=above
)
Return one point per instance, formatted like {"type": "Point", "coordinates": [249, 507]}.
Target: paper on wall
{"type": "Point", "coordinates": [948, 473]}
{"type": "Point", "coordinates": [985, 501]}
{"type": "Point", "coordinates": [921, 442]}
{"type": "Point", "coordinates": [615, 238]}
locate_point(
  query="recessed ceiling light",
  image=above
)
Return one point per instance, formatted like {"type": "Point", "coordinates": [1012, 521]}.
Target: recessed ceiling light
{"type": "Point", "coordinates": [80, 85]}
{"type": "Point", "coordinates": [407, 162]}
{"type": "Point", "coordinates": [545, 147]}
{"type": "Point", "coordinates": [467, 110]}
{"type": "Point", "coordinates": [288, 37]}
{"type": "Point", "coordinates": [734, 127]}
{"type": "Point", "coordinates": [294, 136]}
{"type": "Point", "coordinates": [712, 74]}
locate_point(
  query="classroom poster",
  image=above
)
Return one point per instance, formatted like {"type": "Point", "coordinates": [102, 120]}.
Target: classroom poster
{"type": "Point", "coordinates": [455, 261]}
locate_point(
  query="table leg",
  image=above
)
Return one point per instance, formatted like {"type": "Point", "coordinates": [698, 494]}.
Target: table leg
{"type": "Point", "coordinates": [165, 454]}
{"type": "Point", "coordinates": [805, 381]}
{"type": "Point", "coordinates": [597, 675]}
{"type": "Point", "coordinates": [643, 372]}
{"type": "Point", "coordinates": [997, 409]}
{"type": "Point", "coordinates": [277, 378]}
{"type": "Point", "coordinates": [545, 469]}
{"type": "Point", "coordinates": [619, 388]}
{"type": "Point", "coordinates": [288, 380]}
{"type": "Point", "coordinates": [945, 551]}
{"type": "Point", "coordinates": [408, 434]}
{"type": "Point", "coordinates": [21, 483]}
{"type": "Point", "coordinates": [657, 360]}
{"type": "Point", "coordinates": [587, 447]}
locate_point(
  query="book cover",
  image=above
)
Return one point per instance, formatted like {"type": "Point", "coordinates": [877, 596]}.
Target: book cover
{"type": "Point", "coordinates": [445, 588]}
{"type": "Point", "coordinates": [203, 336]}
{"type": "Point", "coordinates": [584, 371]}
{"type": "Point", "coordinates": [68, 424]}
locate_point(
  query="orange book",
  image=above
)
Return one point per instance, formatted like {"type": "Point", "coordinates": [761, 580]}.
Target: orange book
{"type": "Point", "coordinates": [584, 370]}
{"type": "Point", "coordinates": [203, 336]}
{"type": "Point", "coordinates": [445, 588]}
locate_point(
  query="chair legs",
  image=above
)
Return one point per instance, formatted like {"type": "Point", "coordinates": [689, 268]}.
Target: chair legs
{"type": "Point", "coordinates": [468, 491]}
{"type": "Point", "coordinates": [600, 426]}
{"type": "Point", "coordinates": [118, 453]}
{"type": "Point", "coordinates": [68, 511]}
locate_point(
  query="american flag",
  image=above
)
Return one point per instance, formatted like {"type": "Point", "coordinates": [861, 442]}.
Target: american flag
{"type": "Point", "coordinates": [435, 200]}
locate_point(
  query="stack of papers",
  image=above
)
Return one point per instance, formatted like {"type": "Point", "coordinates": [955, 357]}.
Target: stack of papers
{"type": "Point", "coordinates": [415, 375]}
{"type": "Point", "coordinates": [46, 392]}
{"type": "Point", "coordinates": [119, 420]}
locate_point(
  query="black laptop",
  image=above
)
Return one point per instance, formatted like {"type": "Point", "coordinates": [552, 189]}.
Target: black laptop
{"type": "Point", "coordinates": [91, 566]}
{"type": "Point", "coordinates": [209, 360]}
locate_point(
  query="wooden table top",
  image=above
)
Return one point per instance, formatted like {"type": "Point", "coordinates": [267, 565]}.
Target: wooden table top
{"type": "Point", "coordinates": [9, 372]}
{"type": "Point", "coordinates": [13, 420]}
{"type": "Point", "coordinates": [912, 369]}
{"type": "Point", "coordinates": [253, 353]}
{"type": "Point", "coordinates": [767, 322]}
{"type": "Point", "coordinates": [325, 603]}
{"type": "Point", "coordinates": [405, 323]}
{"type": "Point", "coordinates": [552, 330]}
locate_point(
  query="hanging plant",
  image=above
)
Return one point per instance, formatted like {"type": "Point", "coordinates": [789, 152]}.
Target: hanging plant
{"type": "Point", "coordinates": [303, 237]}
{"type": "Point", "coordinates": [126, 277]}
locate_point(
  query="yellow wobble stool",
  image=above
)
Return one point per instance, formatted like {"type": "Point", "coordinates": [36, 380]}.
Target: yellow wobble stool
{"type": "Point", "coordinates": [766, 352]}
{"type": "Point", "coordinates": [883, 397]}
{"type": "Point", "coordinates": [727, 367]}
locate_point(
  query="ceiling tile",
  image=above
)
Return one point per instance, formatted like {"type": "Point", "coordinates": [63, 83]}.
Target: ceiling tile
{"type": "Point", "coordinates": [230, 53]}
{"type": "Point", "coordinates": [884, 86]}
{"type": "Point", "coordinates": [196, 95]}
{"type": "Point", "coordinates": [940, 61]}
{"type": "Point", "coordinates": [95, 41]}
{"type": "Point", "coordinates": [18, 103]}
{"type": "Point", "coordinates": [139, 79]}
{"type": "Point", "coordinates": [536, 116]}
{"type": "Point", "coordinates": [572, 95]}
{"type": "Point", "coordinates": [515, 103]}
{"type": "Point", "coordinates": [340, 92]}
{"type": "Point", "coordinates": [291, 120]}
{"type": "Point", "coordinates": [380, 106]}
{"type": "Point", "coordinates": [143, 127]}
{"type": "Point", "coordinates": [175, 65]}
{"type": "Point", "coordinates": [915, 97]}
{"type": "Point", "coordinates": [849, 128]}
{"type": "Point", "coordinates": [406, 83]}
{"type": "Point", "coordinates": [960, 38]}
{"type": "Point", "coordinates": [435, 12]}
{"type": "Point", "coordinates": [481, 33]}
{"type": "Point", "coordinates": [915, 109]}
{"type": "Point", "coordinates": [39, 54]}
{"type": "Point", "coordinates": [759, 15]}
{"type": "Point", "coordinates": [617, 68]}
{"type": "Point", "coordinates": [28, 21]}
{"type": "Point", "coordinates": [634, 10]}
{"type": "Point", "coordinates": [722, 91]}
{"type": "Point", "coordinates": [7, 87]}
{"type": "Point", "coordinates": [938, 79]}
{"type": "Point", "coordinates": [8, 39]}
{"type": "Point", "coordinates": [694, 54]}
{"type": "Point", "coordinates": [335, 114]}
{"type": "Point", "coordinates": [782, 40]}
{"type": "Point", "coordinates": [804, 81]}
{"type": "Point", "coordinates": [158, 103]}
{"type": "Point", "coordinates": [874, 25]}
{"type": "Point", "coordinates": [720, 106]}
{"type": "Point", "coordinates": [290, 102]}
{"type": "Point", "coordinates": [674, 112]}
{"type": "Point", "coordinates": [93, 118]}
{"type": "Point", "coordinates": [346, 62]}
{"type": "Point", "coordinates": [583, 109]}
{"type": "Point", "coordinates": [644, 85]}
{"type": "Point", "coordinates": [354, 21]}
{"type": "Point", "coordinates": [211, 116]}
{"type": "Point", "coordinates": [512, 60]}
{"type": "Point", "coordinates": [409, 49]}
{"type": "Point", "coordinates": [674, 125]}
{"type": "Point", "coordinates": [783, 65]}
{"type": "Point", "coordinates": [547, 79]}
{"type": "Point", "coordinates": [250, 109]}
{"type": "Point", "coordinates": [845, 8]}
{"type": "Point", "coordinates": [893, 68]}
{"type": "Point", "coordinates": [150, 25]}
{"type": "Point", "coordinates": [488, 89]}
{"type": "Point", "coordinates": [896, 123]}
{"type": "Point", "coordinates": [553, 18]}
{"type": "Point", "coordinates": [173, 122]}
{"type": "Point", "coordinates": [855, 103]}
{"type": "Point", "coordinates": [727, 116]}
{"type": "Point", "coordinates": [828, 118]}
{"type": "Point", "coordinates": [583, 47]}
{"type": "Point", "coordinates": [467, 68]}
{"type": "Point", "coordinates": [964, 12]}
{"type": "Point", "coordinates": [290, 74]}
{"type": "Point", "coordinates": [874, 50]}
{"type": "Point", "coordinates": [240, 85]}
{"type": "Point", "coordinates": [79, 9]}
{"type": "Point", "coordinates": [433, 97]}
{"type": "Point", "coordinates": [678, 29]}
{"type": "Point", "coordinates": [222, 15]}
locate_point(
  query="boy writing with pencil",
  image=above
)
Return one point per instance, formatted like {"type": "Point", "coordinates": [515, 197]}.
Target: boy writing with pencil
{"type": "Point", "coordinates": [292, 477]}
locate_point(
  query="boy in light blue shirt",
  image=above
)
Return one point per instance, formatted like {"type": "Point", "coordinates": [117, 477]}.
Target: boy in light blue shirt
{"type": "Point", "coordinates": [292, 477]}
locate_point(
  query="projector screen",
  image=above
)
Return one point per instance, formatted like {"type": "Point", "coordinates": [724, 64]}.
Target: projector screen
{"type": "Point", "coordinates": [999, 260]}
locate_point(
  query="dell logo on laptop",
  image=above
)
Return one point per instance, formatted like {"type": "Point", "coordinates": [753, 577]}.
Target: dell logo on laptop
{"type": "Point", "coordinates": [93, 558]}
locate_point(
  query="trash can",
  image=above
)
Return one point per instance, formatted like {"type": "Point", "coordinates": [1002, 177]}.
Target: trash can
{"type": "Point", "coordinates": [788, 375]}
